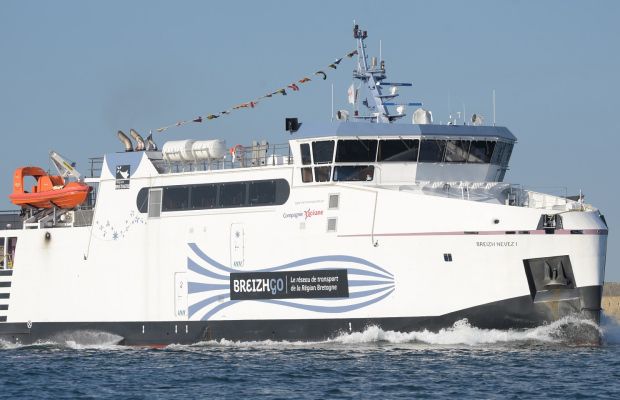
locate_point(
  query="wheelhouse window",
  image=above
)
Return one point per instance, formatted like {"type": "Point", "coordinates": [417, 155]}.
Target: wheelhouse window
{"type": "Point", "coordinates": [457, 151]}
{"type": "Point", "coordinates": [432, 150]}
{"type": "Point", "coordinates": [398, 150]}
{"type": "Point", "coordinates": [323, 151]}
{"type": "Point", "coordinates": [502, 153]}
{"type": "Point", "coordinates": [306, 174]}
{"type": "Point", "coordinates": [354, 173]}
{"type": "Point", "coordinates": [322, 174]}
{"type": "Point", "coordinates": [506, 155]}
{"type": "Point", "coordinates": [305, 154]}
{"type": "Point", "coordinates": [356, 151]}
{"type": "Point", "coordinates": [481, 151]}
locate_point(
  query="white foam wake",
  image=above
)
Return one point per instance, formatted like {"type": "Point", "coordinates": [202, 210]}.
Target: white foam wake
{"type": "Point", "coordinates": [81, 339]}
{"type": "Point", "coordinates": [461, 333]}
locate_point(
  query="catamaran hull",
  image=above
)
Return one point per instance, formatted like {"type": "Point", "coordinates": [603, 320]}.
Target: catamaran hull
{"type": "Point", "coordinates": [516, 313]}
{"type": "Point", "coordinates": [309, 269]}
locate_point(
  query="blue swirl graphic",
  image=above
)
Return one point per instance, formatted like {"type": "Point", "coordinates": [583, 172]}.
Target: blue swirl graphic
{"type": "Point", "coordinates": [371, 291]}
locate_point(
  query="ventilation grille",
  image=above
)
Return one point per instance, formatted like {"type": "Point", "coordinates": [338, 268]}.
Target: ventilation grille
{"type": "Point", "coordinates": [332, 224]}
{"type": "Point", "coordinates": [334, 201]}
{"type": "Point", "coordinates": [155, 196]}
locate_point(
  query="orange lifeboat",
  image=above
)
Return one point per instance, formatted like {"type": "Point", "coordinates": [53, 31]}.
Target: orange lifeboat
{"type": "Point", "coordinates": [49, 191]}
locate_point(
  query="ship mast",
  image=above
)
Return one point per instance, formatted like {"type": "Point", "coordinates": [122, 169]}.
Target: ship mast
{"type": "Point", "coordinates": [372, 78]}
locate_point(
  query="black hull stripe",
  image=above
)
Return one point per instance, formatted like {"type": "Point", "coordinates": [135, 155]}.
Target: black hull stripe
{"type": "Point", "coordinates": [516, 313]}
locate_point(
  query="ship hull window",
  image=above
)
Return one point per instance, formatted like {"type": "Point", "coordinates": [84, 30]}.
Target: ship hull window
{"type": "Point", "coordinates": [142, 201]}
{"type": "Point", "coordinates": [232, 194]}
{"type": "Point", "coordinates": [203, 196]}
{"type": "Point", "coordinates": [263, 193]}
{"type": "Point", "coordinates": [175, 198]}
{"type": "Point", "coordinates": [432, 150]}
{"type": "Point", "coordinates": [398, 150]}
{"type": "Point", "coordinates": [213, 195]}
{"type": "Point", "coordinates": [354, 173]}
{"type": "Point", "coordinates": [356, 151]}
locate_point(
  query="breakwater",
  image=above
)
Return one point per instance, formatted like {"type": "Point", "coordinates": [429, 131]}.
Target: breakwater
{"type": "Point", "coordinates": [611, 300]}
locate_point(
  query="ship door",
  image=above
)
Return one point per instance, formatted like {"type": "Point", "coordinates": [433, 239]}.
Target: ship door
{"type": "Point", "coordinates": [7, 252]}
{"type": "Point", "coordinates": [236, 246]}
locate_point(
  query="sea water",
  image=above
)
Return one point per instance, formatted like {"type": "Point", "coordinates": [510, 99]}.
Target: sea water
{"type": "Point", "coordinates": [460, 362]}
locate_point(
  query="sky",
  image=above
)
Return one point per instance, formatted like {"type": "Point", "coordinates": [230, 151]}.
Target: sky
{"type": "Point", "coordinates": [73, 73]}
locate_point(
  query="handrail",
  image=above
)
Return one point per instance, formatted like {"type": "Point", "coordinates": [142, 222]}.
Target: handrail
{"type": "Point", "coordinates": [10, 217]}
{"type": "Point", "coordinates": [96, 164]}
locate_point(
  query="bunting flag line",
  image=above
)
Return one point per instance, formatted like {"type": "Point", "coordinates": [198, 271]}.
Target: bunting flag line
{"type": "Point", "coordinates": [254, 103]}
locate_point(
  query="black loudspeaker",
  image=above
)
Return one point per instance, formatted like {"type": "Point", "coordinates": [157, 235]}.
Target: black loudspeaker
{"type": "Point", "coordinates": [292, 125]}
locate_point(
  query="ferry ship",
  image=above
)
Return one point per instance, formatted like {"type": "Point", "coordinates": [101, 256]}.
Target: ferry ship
{"type": "Point", "coordinates": [365, 221]}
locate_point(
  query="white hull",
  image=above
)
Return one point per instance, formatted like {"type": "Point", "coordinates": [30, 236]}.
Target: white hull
{"type": "Point", "coordinates": [131, 268]}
